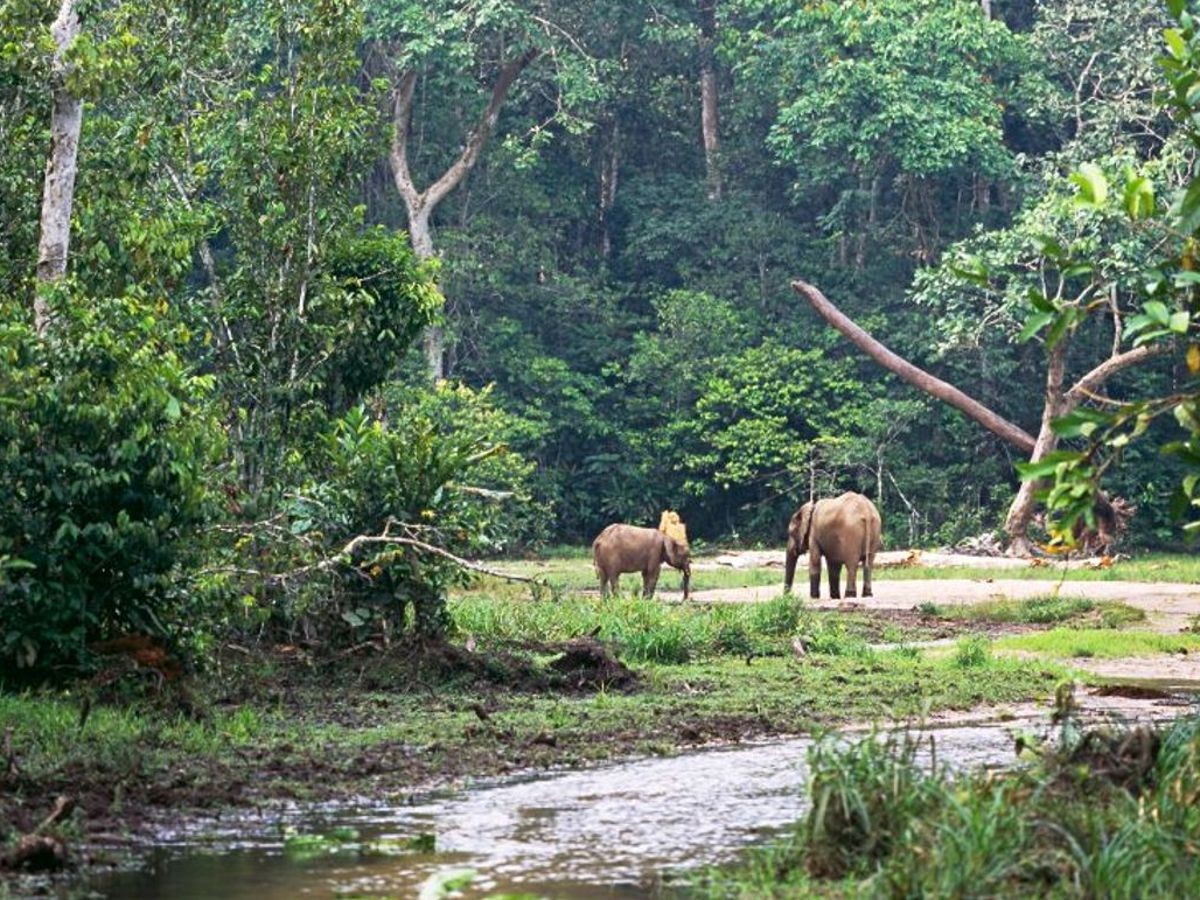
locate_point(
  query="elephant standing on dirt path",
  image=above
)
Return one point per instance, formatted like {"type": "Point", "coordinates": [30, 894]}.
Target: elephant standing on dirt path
{"type": "Point", "coordinates": [846, 531]}
{"type": "Point", "coordinates": [628, 548]}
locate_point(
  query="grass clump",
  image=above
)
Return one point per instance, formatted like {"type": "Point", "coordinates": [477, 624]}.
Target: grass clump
{"type": "Point", "coordinates": [1046, 610]}
{"type": "Point", "coordinates": [972, 652]}
{"type": "Point", "coordinates": [1101, 643]}
{"type": "Point", "coordinates": [1106, 812]}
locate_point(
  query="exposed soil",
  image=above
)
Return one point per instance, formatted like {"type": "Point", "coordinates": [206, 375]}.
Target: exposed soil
{"type": "Point", "coordinates": [1168, 606]}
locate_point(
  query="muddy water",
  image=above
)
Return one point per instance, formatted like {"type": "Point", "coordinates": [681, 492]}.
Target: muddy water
{"type": "Point", "coordinates": [604, 832]}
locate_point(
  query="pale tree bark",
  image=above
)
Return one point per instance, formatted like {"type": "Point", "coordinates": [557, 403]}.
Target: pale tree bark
{"type": "Point", "coordinates": [419, 204]}
{"type": "Point", "coordinates": [1057, 401]}
{"type": "Point", "coordinates": [609, 171]}
{"type": "Point", "coordinates": [58, 191]}
{"type": "Point", "coordinates": [919, 378]}
{"type": "Point", "coordinates": [1020, 513]}
{"type": "Point", "coordinates": [709, 100]}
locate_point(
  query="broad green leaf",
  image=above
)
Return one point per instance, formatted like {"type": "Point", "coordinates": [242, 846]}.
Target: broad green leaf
{"type": "Point", "coordinates": [1082, 421]}
{"type": "Point", "coordinates": [1157, 312]}
{"type": "Point", "coordinates": [1092, 184]}
{"type": "Point", "coordinates": [1035, 323]}
{"type": "Point", "coordinates": [1175, 42]}
{"type": "Point", "coordinates": [1041, 302]}
{"type": "Point", "coordinates": [1179, 322]}
{"type": "Point", "coordinates": [1189, 208]}
{"type": "Point", "coordinates": [1139, 197]}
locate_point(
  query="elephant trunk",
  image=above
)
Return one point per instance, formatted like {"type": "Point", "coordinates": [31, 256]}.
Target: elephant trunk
{"type": "Point", "coordinates": [789, 569]}
{"type": "Point", "coordinates": [687, 579]}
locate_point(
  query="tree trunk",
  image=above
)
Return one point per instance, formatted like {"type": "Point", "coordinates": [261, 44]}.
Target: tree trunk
{"type": "Point", "coordinates": [58, 193]}
{"type": "Point", "coordinates": [1020, 513]}
{"type": "Point", "coordinates": [919, 378]}
{"type": "Point", "coordinates": [609, 169]}
{"type": "Point", "coordinates": [421, 204]}
{"type": "Point", "coordinates": [709, 116]}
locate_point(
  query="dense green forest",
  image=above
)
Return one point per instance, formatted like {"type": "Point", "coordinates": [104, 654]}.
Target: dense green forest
{"type": "Point", "coordinates": [354, 287]}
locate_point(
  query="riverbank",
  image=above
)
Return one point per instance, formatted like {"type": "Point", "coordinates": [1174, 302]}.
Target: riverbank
{"type": "Point", "coordinates": [1087, 811]}
{"type": "Point", "coordinates": [524, 685]}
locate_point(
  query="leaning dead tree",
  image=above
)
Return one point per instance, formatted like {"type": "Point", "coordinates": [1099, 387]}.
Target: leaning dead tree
{"type": "Point", "coordinates": [1058, 401]}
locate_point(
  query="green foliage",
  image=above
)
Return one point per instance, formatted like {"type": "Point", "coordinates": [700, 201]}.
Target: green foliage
{"type": "Point", "coordinates": [972, 652]}
{"type": "Point", "coordinates": [430, 475]}
{"type": "Point", "coordinates": [376, 302]}
{"type": "Point", "coordinates": [107, 446]}
{"type": "Point", "coordinates": [865, 799]}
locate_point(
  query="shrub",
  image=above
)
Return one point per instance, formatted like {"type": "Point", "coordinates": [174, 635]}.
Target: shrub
{"type": "Point", "coordinates": [431, 474]}
{"type": "Point", "coordinates": [104, 438]}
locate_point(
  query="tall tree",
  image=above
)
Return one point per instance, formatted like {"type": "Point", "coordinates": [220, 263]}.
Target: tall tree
{"type": "Point", "coordinates": [709, 104]}
{"type": "Point", "coordinates": [457, 62]}
{"type": "Point", "coordinates": [58, 193]}
{"type": "Point", "coordinates": [420, 204]}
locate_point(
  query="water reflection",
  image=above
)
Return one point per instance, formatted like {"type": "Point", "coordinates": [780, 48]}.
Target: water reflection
{"type": "Point", "coordinates": [603, 832]}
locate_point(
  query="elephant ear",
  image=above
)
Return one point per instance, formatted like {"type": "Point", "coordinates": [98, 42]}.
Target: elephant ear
{"type": "Point", "coordinates": [801, 526]}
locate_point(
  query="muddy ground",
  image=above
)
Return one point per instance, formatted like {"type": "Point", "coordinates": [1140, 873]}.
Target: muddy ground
{"type": "Point", "coordinates": [398, 767]}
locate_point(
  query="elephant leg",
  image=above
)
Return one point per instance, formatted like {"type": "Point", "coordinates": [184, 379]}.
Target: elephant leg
{"type": "Point", "coordinates": [814, 576]}
{"type": "Point", "coordinates": [835, 577]}
{"type": "Point", "coordinates": [868, 565]}
{"type": "Point", "coordinates": [649, 580]}
{"type": "Point", "coordinates": [852, 579]}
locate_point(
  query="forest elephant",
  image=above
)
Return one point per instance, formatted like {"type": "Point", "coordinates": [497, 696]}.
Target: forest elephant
{"type": "Point", "coordinates": [845, 531]}
{"type": "Point", "coordinates": [628, 548]}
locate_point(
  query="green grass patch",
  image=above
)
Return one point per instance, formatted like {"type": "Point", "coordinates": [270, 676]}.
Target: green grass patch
{"type": "Point", "coordinates": [642, 630]}
{"type": "Point", "coordinates": [1099, 643]}
{"type": "Point", "coordinates": [1047, 610]}
{"type": "Point", "coordinates": [1182, 568]}
{"type": "Point", "coordinates": [326, 735]}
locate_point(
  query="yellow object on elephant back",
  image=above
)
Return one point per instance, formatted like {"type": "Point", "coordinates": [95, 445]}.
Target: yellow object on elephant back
{"type": "Point", "coordinates": [672, 526]}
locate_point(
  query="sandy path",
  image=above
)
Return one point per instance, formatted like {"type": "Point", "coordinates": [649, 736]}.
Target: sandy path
{"type": "Point", "coordinates": [1167, 605]}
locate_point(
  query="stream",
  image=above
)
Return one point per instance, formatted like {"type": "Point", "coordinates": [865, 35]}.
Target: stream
{"type": "Point", "coordinates": [610, 831]}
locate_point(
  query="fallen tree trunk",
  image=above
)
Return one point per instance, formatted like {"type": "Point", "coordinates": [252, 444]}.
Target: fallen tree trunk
{"type": "Point", "coordinates": [919, 378]}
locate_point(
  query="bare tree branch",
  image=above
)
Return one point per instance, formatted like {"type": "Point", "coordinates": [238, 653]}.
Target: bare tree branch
{"type": "Point", "coordinates": [483, 129]}
{"type": "Point", "coordinates": [362, 540]}
{"type": "Point", "coordinates": [1095, 379]}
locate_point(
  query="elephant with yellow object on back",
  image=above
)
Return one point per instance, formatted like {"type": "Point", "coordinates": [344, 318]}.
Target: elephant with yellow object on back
{"type": "Point", "coordinates": [845, 531]}
{"type": "Point", "coordinates": [629, 548]}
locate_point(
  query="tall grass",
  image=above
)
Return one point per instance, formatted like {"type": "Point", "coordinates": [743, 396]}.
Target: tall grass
{"type": "Point", "coordinates": [1092, 818]}
{"type": "Point", "coordinates": [644, 630]}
